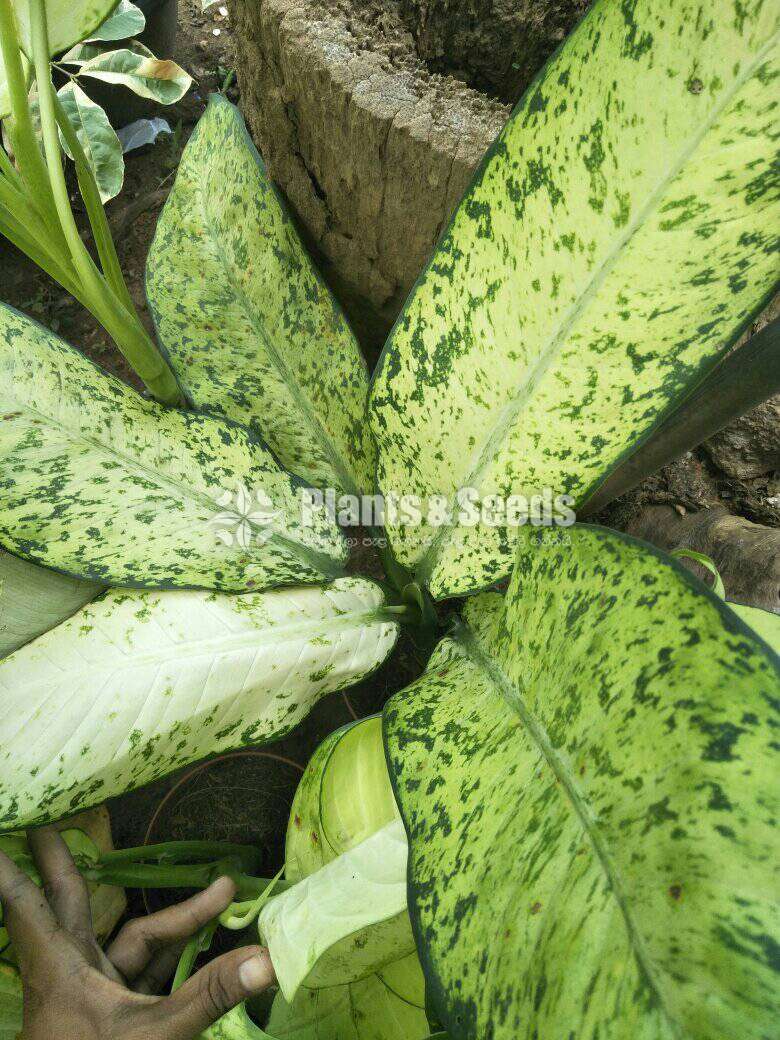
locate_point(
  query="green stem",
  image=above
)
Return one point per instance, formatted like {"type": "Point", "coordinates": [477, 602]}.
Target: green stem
{"type": "Point", "coordinates": [150, 875]}
{"type": "Point", "coordinates": [171, 852]}
{"type": "Point", "coordinates": [28, 155]}
{"type": "Point", "coordinates": [123, 325]}
{"type": "Point", "coordinates": [20, 236]}
{"type": "Point", "coordinates": [101, 232]}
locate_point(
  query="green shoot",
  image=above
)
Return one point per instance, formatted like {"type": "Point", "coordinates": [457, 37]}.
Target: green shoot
{"type": "Point", "coordinates": [36, 213]}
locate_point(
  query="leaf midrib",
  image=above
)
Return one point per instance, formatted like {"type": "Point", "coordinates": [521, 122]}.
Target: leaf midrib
{"type": "Point", "coordinates": [216, 647]}
{"type": "Point", "coordinates": [511, 412]}
{"type": "Point", "coordinates": [301, 401]}
{"type": "Point", "coordinates": [469, 642]}
{"type": "Point", "coordinates": [319, 561]}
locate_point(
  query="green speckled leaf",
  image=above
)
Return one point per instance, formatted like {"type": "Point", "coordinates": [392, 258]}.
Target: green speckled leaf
{"type": "Point", "coordinates": [620, 235]}
{"type": "Point", "coordinates": [139, 684]}
{"type": "Point", "coordinates": [257, 336]}
{"type": "Point", "coordinates": [101, 484]}
{"type": "Point", "coordinates": [588, 772]}
{"type": "Point", "coordinates": [68, 21]}
{"type": "Point", "coordinates": [10, 1003]}
{"type": "Point", "coordinates": [33, 600]}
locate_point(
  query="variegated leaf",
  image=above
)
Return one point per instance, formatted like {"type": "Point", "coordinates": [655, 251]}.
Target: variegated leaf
{"type": "Point", "coordinates": [139, 684]}
{"type": "Point", "coordinates": [97, 137]}
{"type": "Point", "coordinates": [106, 486]}
{"type": "Point", "coordinates": [620, 235]}
{"type": "Point", "coordinates": [126, 21]}
{"type": "Point", "coordinates": [33, 600]}
{"type": "Point", "coordinates": [257, 337]}
{"type": "Point", "coordinates": [136, 68]}
{"type": "Point", "coordinates": [68, 22]}
{"type": "Point", "coordinates": [588, 772]}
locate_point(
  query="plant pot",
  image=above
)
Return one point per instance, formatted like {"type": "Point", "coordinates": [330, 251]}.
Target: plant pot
{"type": "Point", "coordinates": [120, 104]}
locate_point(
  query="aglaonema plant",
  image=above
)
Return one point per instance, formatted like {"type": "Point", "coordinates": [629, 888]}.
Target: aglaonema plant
{"type": "Point", "coordinates": [578, 840]}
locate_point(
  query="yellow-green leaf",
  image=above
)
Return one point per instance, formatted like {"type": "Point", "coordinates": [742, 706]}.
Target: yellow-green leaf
{"type": "Point", "coordinates": [99, 483]}
{"type": "Point", "coordinates": [588, 772]}
{"type": "Point", "coordinates": [257, 337]}
{"type": "Point", "coordinates": [620, 235]}
{"type": "Point", "coordinates": [33, 600]}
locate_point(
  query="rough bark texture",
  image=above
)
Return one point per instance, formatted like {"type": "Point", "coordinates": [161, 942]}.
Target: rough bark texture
{"type": "Point", "coordinates": [496, 46]}
{"type": "Point", "coordinates": [746, 554]}
{"type": "Point", "coordinates": [372, 150]}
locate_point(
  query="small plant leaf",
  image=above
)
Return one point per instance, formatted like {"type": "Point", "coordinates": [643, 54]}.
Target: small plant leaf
{"type": "Point", "coordinates": [344, 922]}
{"type": "Point", "coordinates": [159, 79]}
{"type": "Point", "coordinates": [260, 339]}
{"type": "Point", "coordinates": [106, 486]}
{"type": "Point", "coordinates": [620, 235]}
{"type": "Point", "coordinates": [139, 684]}
{"type": "Point", "coordinates": [98, 139]}
{"type": "Point", "coordinates": [33, 600]}
{"type": "Point", "coordinates": [126, 21]}
{"type": "Point", "coordinates": [588, 777]}
{"type": "Point", "coordinates": [68, 22]}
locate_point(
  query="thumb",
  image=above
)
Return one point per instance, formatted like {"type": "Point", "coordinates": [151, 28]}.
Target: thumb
{"type": "Point", "coordinates": [215, 990]}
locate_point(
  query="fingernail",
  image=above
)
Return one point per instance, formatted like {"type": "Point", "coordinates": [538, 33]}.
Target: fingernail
{"type": "Point", "coordinates": [256, 974]}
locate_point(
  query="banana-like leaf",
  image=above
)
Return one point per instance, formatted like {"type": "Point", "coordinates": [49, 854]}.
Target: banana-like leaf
{"type": "Point", "coordinates": [126, 21]}
{"type": "Point", "coordinates": [139, 684]}
{"type": "Point", "coordinates": [620, 235]}
{"type": "Point", "coordinates": [33, 600]}
{"type": "Point", "coordinates": [98, 139]}
{"type": "Point", "coordinates": [10, 1003]}
{"type": "Point", "coordinates": [588, 774]}
{"type": "Point", "coordinates": [344, 922]}
{"type": "Point", "coordinates": [136, 68]}
{"type": "Point", "coordinates": [259, 338]}
{"type": "Point", "coordinates": [101, 484]}
{"type": "Point", "coordinates": [68, 22]}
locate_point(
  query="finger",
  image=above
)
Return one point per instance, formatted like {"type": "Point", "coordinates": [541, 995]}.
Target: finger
{"type": "Point", "coordinates": [138, 941]}
{"type": "Point", "coordinates": [213, 991]}
{"type": "Point", "coordinates": [63, 884]}
{"type": "Point", "coordinates": [26, 914]}
{"type": "Point", "coordinates": [159, 971]}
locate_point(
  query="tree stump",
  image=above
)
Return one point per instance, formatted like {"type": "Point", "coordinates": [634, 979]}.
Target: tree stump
{"type": "Point", "coordinates": [356, 111]}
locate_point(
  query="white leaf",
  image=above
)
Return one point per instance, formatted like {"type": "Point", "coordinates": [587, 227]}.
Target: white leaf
{"type": "Point", "coordinates": [139, 684]}
{"type": "Point", "coordinates": [344, 922]}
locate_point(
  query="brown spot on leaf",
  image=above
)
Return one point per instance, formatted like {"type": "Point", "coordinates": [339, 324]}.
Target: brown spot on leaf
{"type": "Point", "coordinates": [675, 891]}
{"type": "Point", "coordinates": [536, 908]}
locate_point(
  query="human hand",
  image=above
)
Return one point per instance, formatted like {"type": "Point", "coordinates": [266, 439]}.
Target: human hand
{"type": "Point", "coordinates": [73, 990]}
